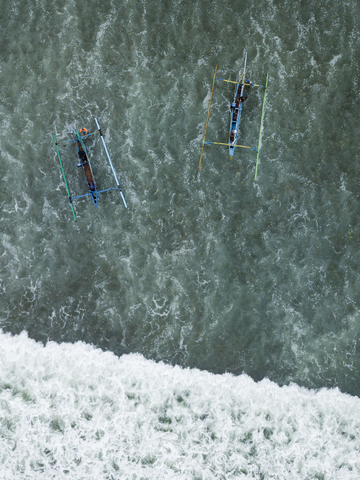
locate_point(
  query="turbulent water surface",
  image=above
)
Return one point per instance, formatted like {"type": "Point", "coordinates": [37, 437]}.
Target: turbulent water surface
{"type": "Point", "coordinates": [208, 270]}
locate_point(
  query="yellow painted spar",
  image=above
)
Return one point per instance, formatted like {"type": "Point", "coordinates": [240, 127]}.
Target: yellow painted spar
{"type": "Point", "coordinates": [207, 120]}
{"type": "Point", "coordinates": [248, 84]}
{"type": "Point", "coordinates": [228, 144]}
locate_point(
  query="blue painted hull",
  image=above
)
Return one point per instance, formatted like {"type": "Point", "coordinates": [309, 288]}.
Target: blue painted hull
{"type": "Point", "coordinates": [236, 113]}
{"type": "Point", "coordinates": [234, 123]}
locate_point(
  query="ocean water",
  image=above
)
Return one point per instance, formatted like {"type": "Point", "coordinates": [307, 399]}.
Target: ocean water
{"type": "Point", "coordinates": [211, 329]}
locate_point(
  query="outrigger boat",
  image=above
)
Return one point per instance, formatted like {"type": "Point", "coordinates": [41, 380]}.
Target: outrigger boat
{"type": "Point", "coordinates": [83, 161]}
{"type": "Point", "coordinates": [236, 109]}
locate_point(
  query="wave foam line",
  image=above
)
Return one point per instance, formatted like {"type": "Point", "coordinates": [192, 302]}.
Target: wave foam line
{"type": "Point", "coordinates": [76, 412]}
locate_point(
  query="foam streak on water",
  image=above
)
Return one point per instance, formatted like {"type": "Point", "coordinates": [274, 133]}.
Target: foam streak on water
{"type": "Point", "coordinates": [75, 412]}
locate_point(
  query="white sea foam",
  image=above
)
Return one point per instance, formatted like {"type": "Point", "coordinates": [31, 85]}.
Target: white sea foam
{"type": "Point", "coordinates": [335, 59]}
{"type": "Point", "coordinates": [76, 412]}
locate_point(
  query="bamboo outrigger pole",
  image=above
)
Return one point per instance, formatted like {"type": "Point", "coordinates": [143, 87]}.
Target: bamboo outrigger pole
{"type": "Point", "coordinates": [66, 185]}
{"type": "Point", "coordinates": [111, 165]}
{"type": "Point", "coordinates": [261, 124]}
{"type": "Point", "coordinates": [207, 120]}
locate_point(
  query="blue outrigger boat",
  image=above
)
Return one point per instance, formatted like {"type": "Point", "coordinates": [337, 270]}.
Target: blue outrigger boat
{"type": "Point", "coordinates": [78, 138]}
{"type": "Point", "coordinates": [236, 109]}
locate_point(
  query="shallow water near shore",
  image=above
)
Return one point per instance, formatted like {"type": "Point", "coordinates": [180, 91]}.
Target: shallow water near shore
{"type": "Point", "coordinates": [73, 411]}
{"type": "Point", "coordinates": [208, 270]}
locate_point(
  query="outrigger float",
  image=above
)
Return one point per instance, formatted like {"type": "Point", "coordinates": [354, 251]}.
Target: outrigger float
{"type": "Point", "coordinates": [236, 109]}
{"type": "Point", "coordinates": [83, 161]}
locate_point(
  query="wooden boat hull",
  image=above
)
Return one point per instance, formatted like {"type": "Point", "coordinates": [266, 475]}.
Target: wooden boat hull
{"type": "Point", "coordinates": [83, 159]}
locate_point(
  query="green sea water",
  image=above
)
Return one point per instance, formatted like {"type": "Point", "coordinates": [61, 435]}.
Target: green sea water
{"type": "Point", "coordinates": [209, 270]}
